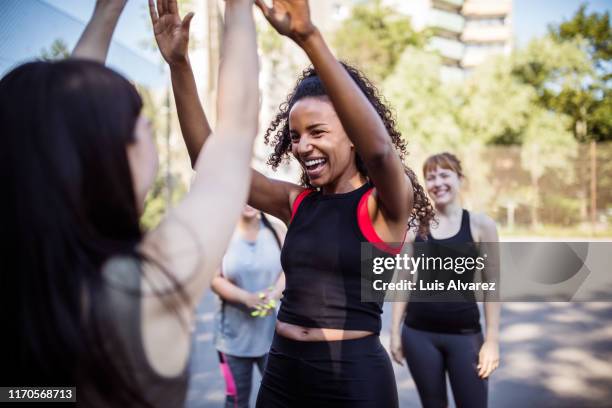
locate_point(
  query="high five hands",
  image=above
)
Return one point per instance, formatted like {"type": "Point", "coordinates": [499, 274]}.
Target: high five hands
{"type": "Point", "coordinates": [171, 32]}
{"type": "Point", "coordinates": [290, 18]}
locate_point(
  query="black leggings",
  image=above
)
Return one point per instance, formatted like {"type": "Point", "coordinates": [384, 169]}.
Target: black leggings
{"type": "Point", "coordinates": [346, 373]}
{"type": "Point", "coordinates": [431, 355]}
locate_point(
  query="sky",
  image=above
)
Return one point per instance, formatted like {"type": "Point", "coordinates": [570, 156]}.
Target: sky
{"type": "Point", "coordinates": [133, 28]}
{"type": "Point", "coordinates": [134, 39]}
{"type": "Point", "coordinates": [530, 17]}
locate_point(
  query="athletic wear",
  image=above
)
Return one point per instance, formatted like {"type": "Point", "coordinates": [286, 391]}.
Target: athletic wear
{"type": "Point", "coordinates": [253, 266]}
{"type": "Point", "coordinates": [335, 374]}
{"type": "Point", "coordinates": [321, 258]}
{"type": "Point", "coordinates": [431, 355]}
{"type": "Point", "coordinates": [425, 313]}
{"type": "Point", "coordinates": [121, 303]}
{"type": "Point", "coordinates": [445, 337]}
{"type": "Point", "coordinates": [238, 374]}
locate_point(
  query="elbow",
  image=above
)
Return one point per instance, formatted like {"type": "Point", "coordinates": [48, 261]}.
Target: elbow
{"type": "Point", "coordinates": [214, 285]}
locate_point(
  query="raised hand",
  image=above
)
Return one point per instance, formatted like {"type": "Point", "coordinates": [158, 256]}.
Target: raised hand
{"type": "Point", "coordinates": [171, 32]}
{"type": "Point", "coordinates": [290, 18]}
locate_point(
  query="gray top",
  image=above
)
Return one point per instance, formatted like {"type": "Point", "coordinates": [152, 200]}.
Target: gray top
{"type": "Point", "coordinates": [121, 304]}
{"type": "Point", "coordinates": [252, 266]}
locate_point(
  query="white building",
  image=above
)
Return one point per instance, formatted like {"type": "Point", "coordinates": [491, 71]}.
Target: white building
{"type": "Point", "coordinates": [466, 32]}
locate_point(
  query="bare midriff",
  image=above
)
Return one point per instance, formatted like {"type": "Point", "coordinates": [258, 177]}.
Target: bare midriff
{"type": "Point", "coordinates": [299, 333]}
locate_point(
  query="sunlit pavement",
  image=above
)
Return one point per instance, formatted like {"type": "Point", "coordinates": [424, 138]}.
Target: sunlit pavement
{"type": "Point", "coordinates": [553, 355]}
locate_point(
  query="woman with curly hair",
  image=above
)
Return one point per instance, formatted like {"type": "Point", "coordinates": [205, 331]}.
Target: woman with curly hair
{"type": "Point", "coordinates": [326, 351]}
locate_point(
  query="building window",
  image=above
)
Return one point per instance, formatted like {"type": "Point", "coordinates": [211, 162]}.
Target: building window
{"type": "Point", "coordinates": [485, 22]}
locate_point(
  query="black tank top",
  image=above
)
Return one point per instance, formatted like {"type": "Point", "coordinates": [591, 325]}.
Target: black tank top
{"type": "Point", "coordinates": [447, 317]}
{"type": "Point", "coordinates": [321, 258]}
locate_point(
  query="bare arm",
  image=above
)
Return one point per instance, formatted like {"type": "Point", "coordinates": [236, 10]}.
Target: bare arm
{"type": "Point", "coordinates": [274, 197]}
{"type": "Point", "coordinates": [362, 123]}
{"type": "Point", "coordinates": [172, 37]}
{"type": "Point", "coordinates": [191, 240]}
{"type": "Point", "coordinates": [489, 244]}
{"type": "Point", "coordinates": [229, 292]}
{"type": "Point", "coordinates": [219, 190]}
{"type": "Point", "coordinates": [397, 320]}
{"type": "Point", "coordinates": [95, 40]}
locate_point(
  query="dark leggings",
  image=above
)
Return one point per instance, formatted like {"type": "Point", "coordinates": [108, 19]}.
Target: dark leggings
{"type": "Point", "coordinates": [340, 374]}
{"type": "Point", "coordinates": [431, 355]}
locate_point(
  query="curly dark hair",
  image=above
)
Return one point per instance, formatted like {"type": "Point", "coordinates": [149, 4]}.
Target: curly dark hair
{"type": "Point", "coordinates": [310, 85]}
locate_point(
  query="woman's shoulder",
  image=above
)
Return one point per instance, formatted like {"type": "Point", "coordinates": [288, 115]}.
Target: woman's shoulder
{"type": "Point", "coordinates": [483, 227]}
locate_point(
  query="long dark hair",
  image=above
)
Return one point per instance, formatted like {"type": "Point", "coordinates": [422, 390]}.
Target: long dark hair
{"type": "Point", "coordinates": [310, 85]}
{"type": "Point", "coordinates": [68, 206]}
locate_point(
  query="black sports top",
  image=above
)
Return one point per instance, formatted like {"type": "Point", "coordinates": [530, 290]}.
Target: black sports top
{"type": "Point", "coordinates": [321, 258]}
{"type": "Point", "coordinates": [447, 317]}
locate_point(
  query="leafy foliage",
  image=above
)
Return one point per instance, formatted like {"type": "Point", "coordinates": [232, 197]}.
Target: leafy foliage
{"type": "Point", "coordinates": [57, 50]}
{"type": "Point", "coordinates": [374, 37]}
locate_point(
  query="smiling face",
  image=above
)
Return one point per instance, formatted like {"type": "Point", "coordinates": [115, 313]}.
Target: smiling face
{"type": "Point", "coordinates": [443, 185]}
{"type": "Point", "coordinates": [319, 142]}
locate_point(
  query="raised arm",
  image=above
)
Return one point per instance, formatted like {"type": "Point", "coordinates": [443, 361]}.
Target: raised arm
{"type": "Point", "coordinates": [191, 240]}
{"type": "Point", "coordinates": [172, 37]}
{"type": "Point", "coordinates": [207, 215]}
{"type": "Point", "coordinates": [359, 118]}
{"type": "Point", "coordinates": [95, 40]}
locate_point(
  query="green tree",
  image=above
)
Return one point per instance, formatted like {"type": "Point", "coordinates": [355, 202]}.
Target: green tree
{"type": "Point", "coordinates": [374, 37]}
{"type": "Point", "coordinates": [547, 146]}
{"type": "Point", "coordinates": [57, 50]}
{"type": "Point", "coordinates": [495, 106]}
{"type": "Point", "coordinates": [574, 78]}
{"type": "Point", "coordinates": [595, 29]}
{"type": "Point", "coordinates": [425, 107]}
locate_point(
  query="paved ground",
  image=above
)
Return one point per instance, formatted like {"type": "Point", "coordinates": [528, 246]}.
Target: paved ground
{"type": "Point", "coordinates": [553, 355]}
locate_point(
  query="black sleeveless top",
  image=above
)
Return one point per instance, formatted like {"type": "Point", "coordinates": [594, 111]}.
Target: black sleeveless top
{"type": "Point", "coordinates": [448, 317]}
{"type": "Point", "coordinates": [321, 258]}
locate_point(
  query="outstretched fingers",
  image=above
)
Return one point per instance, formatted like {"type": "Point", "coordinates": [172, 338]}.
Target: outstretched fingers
{"type": "Point", "coordinates": [160, 8]}
{"type": "Point", "coordinates": [172, 7]}
{"type": "Point", "coordinates": [153, 12]}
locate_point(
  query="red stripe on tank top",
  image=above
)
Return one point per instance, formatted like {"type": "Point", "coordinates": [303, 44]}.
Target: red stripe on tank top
{"type": "Point", "coordinates": [298, 201]}
{"type": "Point", "coordinates": [367, 228]}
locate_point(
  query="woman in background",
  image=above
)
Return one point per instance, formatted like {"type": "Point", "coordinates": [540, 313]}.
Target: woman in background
{"type": "Point", "coordinates": [249, 284]}
{"type": "Point", "coordinates": [440, 337]}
